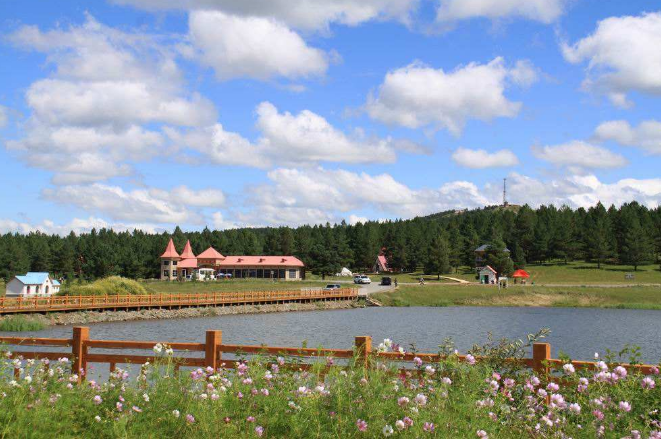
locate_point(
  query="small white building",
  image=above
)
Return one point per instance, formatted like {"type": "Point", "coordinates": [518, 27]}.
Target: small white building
{"type": "Point", "coordinates": [488, 275]}
{"type": "Point", "coordinates": [32, 284]}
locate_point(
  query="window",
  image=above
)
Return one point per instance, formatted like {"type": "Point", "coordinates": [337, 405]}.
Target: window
{"type": "Point", "coordinates": [166, 273]}
{"type": "Point", "coordinates": [174, 262]}
{"type": "Point", "coordinates": [166, 262]}
{"type": "Point", "coordinates": [27, 289]}
{"type": "Point", "coordinates": [174, 273]}
{"type": "Point", "coordinates": [292, 274]}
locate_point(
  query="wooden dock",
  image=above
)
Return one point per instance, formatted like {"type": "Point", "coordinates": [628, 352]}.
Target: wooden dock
{"type": "Point", "coordinates": [10, 305]}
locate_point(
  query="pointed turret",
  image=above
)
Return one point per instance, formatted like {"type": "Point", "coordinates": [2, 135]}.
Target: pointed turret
{"type": "Point", "coordinates": [170, 251]}
{"type": "Point", "coordinates": [188, 251]}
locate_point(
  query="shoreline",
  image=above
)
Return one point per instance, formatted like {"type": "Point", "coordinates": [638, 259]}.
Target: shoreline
{"type": "Point", "coordinates": [85, 317]}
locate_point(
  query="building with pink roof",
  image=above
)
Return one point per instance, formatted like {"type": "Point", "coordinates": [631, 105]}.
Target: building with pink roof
{"type": "Point", "coordinates": [175, 265]}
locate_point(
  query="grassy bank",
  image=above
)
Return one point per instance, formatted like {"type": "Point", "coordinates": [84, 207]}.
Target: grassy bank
{"type": "Point", "coordinates": [228, 285]}
{"type": "Point", "coordinates": [21, 323]}
{"type": "Point", "coordinates": [642, 297]}
{"type": "Point", "coordinates": [262, 398]}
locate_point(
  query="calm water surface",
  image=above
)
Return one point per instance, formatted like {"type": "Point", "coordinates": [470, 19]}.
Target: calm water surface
{"type": "Point", "coordinates": [578, 332]}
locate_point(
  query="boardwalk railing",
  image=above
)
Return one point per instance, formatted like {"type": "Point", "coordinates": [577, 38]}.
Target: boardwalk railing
{"type": "Point", "coordinates": [72, 303]}
{"type": "Point", "coordinates": [212, 350]}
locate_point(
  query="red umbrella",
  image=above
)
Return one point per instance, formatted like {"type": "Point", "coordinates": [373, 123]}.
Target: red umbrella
{"type": "Point", "coordinates": [521, 274]}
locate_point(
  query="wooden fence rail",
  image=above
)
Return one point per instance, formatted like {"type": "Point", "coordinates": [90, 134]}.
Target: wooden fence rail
{"type": "Point", "coordinates": [213, 349]}
{"type": "Point", "coordinates": [10, 305]}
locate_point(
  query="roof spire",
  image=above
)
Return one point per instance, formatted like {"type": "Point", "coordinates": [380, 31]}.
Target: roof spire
{"type": "Point", "coordinates": [188, 251]}
{"type": "Point", "coordinates": [170, 251]}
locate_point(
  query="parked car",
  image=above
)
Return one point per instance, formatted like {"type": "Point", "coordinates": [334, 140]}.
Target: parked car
{"type": "Point", "coordinates": [386, 280]}
{"type": "Point", "coordinates": [362, 279]}
{"type": "Point", "coordinates": [356, 279]}
{"type": "Point", "coordinates": [332, 287]}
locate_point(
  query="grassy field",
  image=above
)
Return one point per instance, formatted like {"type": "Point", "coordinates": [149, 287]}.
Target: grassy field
{"type": "Point", "coordinates": [640, 297]}
{"type": "Point", "coordinates": [228, 285]}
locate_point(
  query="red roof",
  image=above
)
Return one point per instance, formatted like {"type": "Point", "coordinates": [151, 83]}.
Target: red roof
{"type": "Point", "coordinates": [489, 267]}
{"type": "Point", "coordinates": [210, 253]}
{"type": "Point", "coordinates": [188, 251]}
{"type": "Point", "coordinates": [383, 262]}
{"type": "Point", "coordinates": [170, 251]}
{"type": "Point", "coordinates": [188, 263]}
{"type": "Point", "coordinates": [520, 273]}
{"type": "Point", "coordinates": [278, 261]}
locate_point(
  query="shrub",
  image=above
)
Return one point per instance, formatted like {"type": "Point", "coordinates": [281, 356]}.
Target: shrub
{"type": "Point", "coordinates": [21, 323]}
{"type": "Point", "coordinates": [113, 285]}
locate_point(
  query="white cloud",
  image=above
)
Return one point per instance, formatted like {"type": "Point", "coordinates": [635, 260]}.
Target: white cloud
{"type": "Point", "coordinates": [305, 138]}
{"type": "Point", "coordinates": [417, 95]}
{"type": "Point", "coordinates": [252, 47]}
{"type": "Point", "coordinates": [647, 135]}
{"type": "Point", "coordinates": [304, 14]}
{"type": "Point", "coordinates": [355, 219]}
{"type": "Point", "coordinates": [545, 11]}
{"type": "Point", "coordinates": [76, 225]}
{"type": "Point", "coordinates": [579, 154]}
{"type": "Point", "coordinates": [623, 55]}
{"type": "Point", "coordinates": [107, 100]}
{"type": "Point", "coordinates": [480, 158]}
{"type": "Point", "coordinates": [139, 205]}
{"type": "Point", "coordinates": [3, 116]}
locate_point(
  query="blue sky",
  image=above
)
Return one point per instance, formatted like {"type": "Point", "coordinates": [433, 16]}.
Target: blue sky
{"type": "Point", "coordinates": [138, 113]}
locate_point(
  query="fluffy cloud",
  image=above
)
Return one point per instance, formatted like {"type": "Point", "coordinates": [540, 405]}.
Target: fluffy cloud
{"type": "Point", "coordinates": [480, 158]}
{"type": "Point", "coordinates": [139, 205]}
{"type": "Point", "coordinates": [3, 116]}
{"type": "Point", "coordinates": [252, 47]}
{"type": "Point", "coordinates": [418, 95]}
{"type": "Point", "coordinates": [545, 11]}
{"type": "Point", "coordinates": [647, 135]}
{"type": "Point", "coordinates": [294, 197]}
{"type": "Point", "coordinates": [623, 55]}
{"type": "Point", "coordinates": [304, 14]}
{"type": "Point", "coordinates": [580, 155]}
{"type": "Point", "coordinates": [303, 138]}
{"type": "Point", "coordinates": [76, 225]}
{"type": "Point", "coordinates": [107, 100]}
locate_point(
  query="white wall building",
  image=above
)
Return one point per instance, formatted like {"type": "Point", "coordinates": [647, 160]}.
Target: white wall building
{"type": "Point", "coordinates": [32, 284]}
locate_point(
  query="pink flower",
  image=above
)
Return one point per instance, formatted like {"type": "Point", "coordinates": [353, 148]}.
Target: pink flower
{"type": "Point", "coordinates": [259, 430]}
{"type": "Point", "coordinates": [420, 399]}
{"type": "Point", "coordinates": [575, 408]}
{"type": "Point", "coordinates": [119, 406]}
{"type": "Point", "coordinates": [408, 421]}
{"type": "Point", "coordinates": [362, 425]}
{"type": "Point", "coordinates": [428, 427]}
{"type": "Point", "coordinates": [620, 372]}
{"type": "Point", "coordinates": [624, 406]}
{"type": "Point", "coordinates": [482, 434]}
{"type": "Point", "coordinates": [137, 409]}
{"type": "Point", "coordinates": [553, 387]}
{"type": "Point", "coordinates": [402, 401]}
{"type": "Point", "coordinates": [417, 361]}
{"type": "Point", "coordinates": [648, 383]}
{"type": "Point", "coordinates": [250, 419]}
{"type": "Point", "coordinates": [509, 382]}
{"type": "Point", "coordinates": [97, 400]}
{"type": "Point", "coordinates": [190, 419]}
{"type": "Point", "coordinates": [447, 381]}
{"type": "Point", "coordinates": [569, 368]}
{"type": "Point", "coordinates": [470, 359]}
{"type": "Point", "coordinates": [598, 414]}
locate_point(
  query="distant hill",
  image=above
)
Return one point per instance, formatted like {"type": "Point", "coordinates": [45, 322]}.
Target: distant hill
{"type": "Point", "coordinates": [449, 213]}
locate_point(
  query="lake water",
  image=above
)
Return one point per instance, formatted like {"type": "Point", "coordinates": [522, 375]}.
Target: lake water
{"type": "Point", "coordinates": [578, 332]}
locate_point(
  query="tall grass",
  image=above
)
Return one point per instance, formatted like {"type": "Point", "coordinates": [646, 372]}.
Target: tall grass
{"type": "Point", "coordinates": [262, 397]}
{"type": "Point", "coordinates": [20, 323]}
{"type": "Point", "coordinates": [113, 285]}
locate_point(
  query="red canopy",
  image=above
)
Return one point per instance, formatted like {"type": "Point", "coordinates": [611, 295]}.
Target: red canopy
{"type": "Point", "coordinates": [520, 273]}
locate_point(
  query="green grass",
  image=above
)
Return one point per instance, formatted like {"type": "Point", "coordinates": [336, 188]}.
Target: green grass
{"type": "Point", "coordinates": [229, 285]}
{"type": "Point", "coordinates": [451, 399]}
{"type": "Point", "coordinates": [585, 273]}
{"type": "Point", "coordinates": [639, 297]}
{"type": "Point", "coordinates": [20, 323]}
{"type": "Point", "coordinates": [110, 286]}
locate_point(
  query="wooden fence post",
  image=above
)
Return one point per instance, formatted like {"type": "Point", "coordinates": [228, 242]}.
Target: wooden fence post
{"type": "Point", "coordinates": [541, 352]}
{"type": "Point", "coordinates": [363, 350]}
{"type": "Point", "coordinates": [211, 355]}
{"type": "Point", "coordinates": [80, 335]}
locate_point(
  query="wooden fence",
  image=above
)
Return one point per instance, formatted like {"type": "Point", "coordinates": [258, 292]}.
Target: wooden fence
{"type": "Point", "coordinates": [73, 303]}
{"type": "Point", "coordinates": [213, 349]}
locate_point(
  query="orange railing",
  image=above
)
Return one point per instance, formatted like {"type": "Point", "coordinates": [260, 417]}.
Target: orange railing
{"type": "Point", "coordinates": [212, 350]}
{"type": "Point", "coordinates": [71, 303]}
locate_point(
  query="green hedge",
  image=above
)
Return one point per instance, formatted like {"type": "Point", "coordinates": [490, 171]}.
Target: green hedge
{"type": "Point", "coordinates": [113, 285]}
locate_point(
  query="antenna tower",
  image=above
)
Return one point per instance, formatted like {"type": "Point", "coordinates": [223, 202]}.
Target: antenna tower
{"type": "Point", "coordinates": [504, 192]}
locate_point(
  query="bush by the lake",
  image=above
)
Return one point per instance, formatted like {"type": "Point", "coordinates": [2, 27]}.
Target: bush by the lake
{"type": "Point", "coordinates": [475, 398]}
{"type": "Point", "coordinates": [21, 323]}
{"type": "Point", "coordinates": [113, 285]}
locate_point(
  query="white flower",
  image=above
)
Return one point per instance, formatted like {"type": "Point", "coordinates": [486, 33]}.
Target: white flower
{"type": "Point", "coordinates": [28, 379]}
{"type": "Point", "coordinates": [430, 370]}
{"type": "Point", "coordinates": [158, 348]}
{"type": "Point", "coordinates": [569, 368]}
{"type": "Point", "coordinates": [145, 397]}
{"type": "Point", "coordinates": [400, 425]}
{"type": "Point", "coordinates": [175, 413]}
{"type": "Point", "coordinates": [97, 418]}
{"type": "Point", "coordinates": [387, 430]}
{"type": "Point", "coordinates": [169, 351]}
{"type": "Point", "coordinates": [401, 350]}
{"type": "Point", "coordinates": [387, 342]}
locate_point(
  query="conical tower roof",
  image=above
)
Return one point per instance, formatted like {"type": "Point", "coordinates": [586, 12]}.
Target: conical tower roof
{"type": "Point", "coordinates": [188, 251]}
{"type": "Point", "coordinates": [170, 251]}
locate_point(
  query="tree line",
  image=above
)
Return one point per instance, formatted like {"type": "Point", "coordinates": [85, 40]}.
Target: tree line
{"type": "Point", "coordinates": [439, 243]}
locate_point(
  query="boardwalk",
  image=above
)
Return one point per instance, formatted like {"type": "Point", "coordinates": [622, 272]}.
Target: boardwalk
{"type": "Point", "coordinates": [125, 302]}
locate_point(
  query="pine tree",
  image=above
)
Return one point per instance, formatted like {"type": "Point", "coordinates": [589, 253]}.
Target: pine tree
{"type": "Point", "coordinates": [498, 259]}
{"type": "Point", "coordinates": [598, 241]}
{"type": "Point", "coordinates": [438, 261]}
{"type": "Point", "coordinates": [637, 246]}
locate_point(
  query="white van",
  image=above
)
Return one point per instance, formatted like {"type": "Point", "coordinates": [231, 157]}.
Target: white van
{"type": "Point", "coordinates": [206, 274]}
